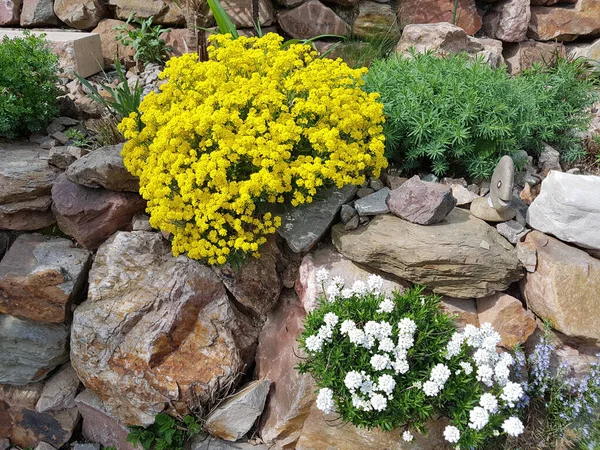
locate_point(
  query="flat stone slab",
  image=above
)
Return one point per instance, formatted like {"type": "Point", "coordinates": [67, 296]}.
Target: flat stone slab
{"type": "Point", "coordinates": [79, 52]}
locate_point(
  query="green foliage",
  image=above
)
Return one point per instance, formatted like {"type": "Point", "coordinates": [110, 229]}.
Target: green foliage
{"type": "Point", "coordinates": [78, 137]}
{"type": "Point", "coordinates": [145, 40]}
{"type": "Point", "coordinates": [224, 23]}
{"type": "Point", "coordinates": [28, 85]}
{"type": "Point", "coordinates": [104, 131]}
{"type": "Point", "coordinates": [456, 116]}
{"type": "Point", "coordinates": [166, 433]}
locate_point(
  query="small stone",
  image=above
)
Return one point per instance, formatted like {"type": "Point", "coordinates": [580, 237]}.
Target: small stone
{"type": "Point", "coordinates": [376, 184]}
{"type": "Point", "coordinates": [484, 188]}
{"type": "Point", "coordinates": [364, 192]}
{"type": "Point", "coordinates": [61, 156]}
{"type": "Point", "coordinates": [353, 223]}
{"type": "Point", "coordinates": [527, 254]}
{"type": "Point", "coordinates": [454, 181]}
{"type": "Point", "coordinates": [363, 220]}
{"type": "Point", "coordinates": [311, 19]}
{"type": "Point", "coordinates": [38, 13]}
{"type": "Point", "coordinates": [55, 127]}
{"type": "Point", "coordinates": [464, 311]}
{"type": "Point", "coordinates": [508, 317]}
{"type": "Point", "coordinates": [373, 204]}
{"type": "Point", "coordinates": [529, 193]}
{"type": "Point", "coordinates": [549, 159]}
{"type": "Point", "coordinates": [574, 171]}
{"type": "Point", "coordinates": [141, 222]}
{"type": "Point", "coordinates": [347, 213]}
{"type": "Point", "coordinates": [473, 188]}
{"type": "Point", "coordinates": [462, 195]}
{"type": "Point", "coordinates": [44, 446]}
{"type": "Point", "coordinates": [430, 178]}
{"type": "Point", "coordinates": [394, 181]}
{"type": "Point", "coordinates": [511, 230]}
{"type": "Point", "coordinates": [48, 142]}
{"type": "Point", "coordinates": [87, 446]}
{"type": "Point", "coordinates": [4, 444]}
{"type": "Point", "coordinates": [59, 391]}
{"type": "Point", "coordinates": [60, 137]}
{"type": "Point", "coordinates": [480, 208]}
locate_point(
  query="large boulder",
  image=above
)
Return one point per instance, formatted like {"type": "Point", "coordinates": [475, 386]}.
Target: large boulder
{"type": "Point", "coordinates": [564, 287]}
{"type": "Point", "coordinates": [27, 215]}
{"type": "Point", "coordinates": [160, 328]}
{"type": "Point", "coordinates": [240, 12]}
{"type": "Point", "coordinates": [40, 276]}
{"type": "Point", "coordinates": [374, 19]}
{"type": "Point", "coordinates": [80, 14]}
{"type": "Point", "coordinates": [461, 257]}
{"type": "Point", "coordinates": [111, 48]}
{"type": "Point", "coordinates": [508, 317]}
{"type": "Point", "coordinates": [435, 11]}
{"type": "Point", "coordinates": [38, 13]}
{"type": "Point", "coordinates": [521, 56]}
{"type": "Point", "coordinates": [92, 215]}
{"type": "Point", "coordinates": [10, 11]}
{"type": "Point", "coordinates": [312, 19]}
{"type": "Point", "coordinates": [568, 207]}
{"type": "Point", "coordinates": [587, 50]}
{"type": "Point", "coordinates": [508, 20]}
{"type": "Point", "coordinates": [163, 12]}
{"type": "Point", "coordinates": [565, 23]}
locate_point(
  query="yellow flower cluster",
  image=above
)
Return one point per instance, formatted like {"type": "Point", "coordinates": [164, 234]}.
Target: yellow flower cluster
{"type": "Point", "coordinates": [258, 123]}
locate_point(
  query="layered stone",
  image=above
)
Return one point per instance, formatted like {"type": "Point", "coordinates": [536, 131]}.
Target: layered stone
{"type": "Point", "coordinates": [312, 19]}
{"type": "Point", "coordinates": [436, 11]}
{"type": "Point", "coordinates": [508, 317]}
{"type": "Point", "coordinates": [80, 14]}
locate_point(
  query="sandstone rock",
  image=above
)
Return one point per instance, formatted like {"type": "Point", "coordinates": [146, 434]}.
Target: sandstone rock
{"type": "Point", "coordinates": [588, 50]}
{"type": "Point", "coordinates": [463, 309]}
{"type": "Point", "coordinates": [394, 181]}
{"type": "Point", "coordinates": [92, 215]}
{"type": "Point", "coordinates": [508, 317]}
{"type": "Point", "coordinates": [27, 428]}
{"type": "Point", "coordinates": [312, 19]}
{"type": "Point", "coordinates": [38, 13]}
{"type": "Point", "coordinates": [30, 350]}
{"type": "Point", "coordinates": [440, 38]}
{"type": "Point", "coordinates": [27, 215]}
{"type": "Point", "coordinates": [375, 19]}
{"type": "Point", "coordinates": [63, 156]}
{"type": "Point", "coordinates": [98, 426]}
{"type": "Point", "coordinates": [508, 20]}
{"type": "Point", "coordinates": [481, 208]}
{"type": "Point", "coordinates": [10, 11]}
{"type": "Point", "coordinates": [5, 241]}
{"type": "Point", "coordinates": [568, 207]}
{"type": "Point", "coordinates": [165, 13]}
{"type": "Point", "coordinates": [202, 442]}
{"type": "Point", "coordinates": [462, 195]}
{"type": "Point", "coordinates": [304, 226]}
{"type": "Point", "coordinates": [44, 446]}
{"type": "Point", "coordinates": [527, 254]}
{"type": "Point", "coordinates": [550, 2]}
{"type": "Point", "coordinates": [80, 14]}
{"type": "Point", "coordinates": [111, 48]}
{"type": "Point", "coordinates": [421, 202]}
{"type": "Point", "coordinates": [435, 11]}
{"type": "Point", "coordinates": [327, 257]}
{"type": "Point", "coordinates": [157, 327]}
{"type": "Point", "coordinates": [462, 257]}
{"type": "Point", "coordinates": [41, 276]}
{"type": "Point", "coordinates": [176, 39]}
{"type": "Point", "coordinates": [59, 391]}
{"type": "Point", "coordinates": [523, 55]}
{"type": "Point", "coordinates": [141, 222]}
{"type": "Point", "coordinates": [373, 204]}
{"type": "Point", "coordinates": [240, 12]}
{"type": "Point", "coordinates": [511, 230]}
{"type": "Point", "coordinates": [563, 23]}
{"type": "Point", "coordinates": [234, 418]}
{"type": "Point", "coordinates": [103, 167]}
{"type": "Point", "coordinates": [564, 288]}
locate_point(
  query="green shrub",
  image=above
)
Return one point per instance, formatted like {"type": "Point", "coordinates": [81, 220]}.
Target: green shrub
{"type": "Point", "coordinates": [456, 116]}
{"type": "Point", "coordinates": [145, 40]}
{"type": "Point", "coordinates": [28, 85]}
{"type": "Point", "coordinates": [166, 433]}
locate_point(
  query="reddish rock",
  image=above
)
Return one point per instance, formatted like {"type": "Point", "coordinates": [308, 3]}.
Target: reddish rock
{"type": "Point", "coordinates": [240, 12]}
{"type": "Point", "coordinates": [565, 23]}
{"type": "Point", "coordinates": [92, 215]}
{"type": "Point", "coordinates": [550, 2]}
{"type": "Point", "coordinates": [111, 48]}
{"type": "Point", "coordinates": [40, 276]}
{"type": "Point", "coordinates": [375, 19]}
{"type": "Point", "coordinates": [177, 40]}
{"type": "Point", "coordinates": [464, 310]}
{"type": "Point", "coordinates": [508, 20]}
{"type": "Point", "coordinates": [312, 19]}
{"type": "Point", "coordinates": [10, 11]}
{"type": "Point", "coordinates": [38, 13]}
{"type": "Point", "coordinates": [523, 55]}
{"type": "Point", "coordinates": [80, 14]}
{"type": "Point", "coordinates": [163, 12]}
{"type": "Point", "coordinates": [27, 215]}
{"type": "Point", "coordinates": [508, 317]}
{"type": "Point", "coordinates": [435, 11]}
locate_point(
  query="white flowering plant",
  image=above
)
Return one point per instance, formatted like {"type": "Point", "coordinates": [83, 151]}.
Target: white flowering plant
{"type": "Point", "coordinates": [397, 361]}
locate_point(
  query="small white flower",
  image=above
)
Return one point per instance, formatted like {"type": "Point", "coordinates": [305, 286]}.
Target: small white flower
{"type": "Point", "coordinates": [347, 293]}
{"type": "Point", "coordinates": [314, 343]}
{"type": "Point", "coordinates": [359, 403]}
{"type": "Point", "coordinates": [385, 330]}
{"type": "Point", "coordinates": [338, 281]}
{"type": "Point", "coordinates": [513, 426]}
{"type": "Point", "coordinates": [359, 288]}
{"type": "Point", "coordinates": [367, 386]}
{"type": "Point", "coordinates": [325, 333]}
{"type": "Point", "coordinates": [386, 384]}
{"type": "Point", "coordinates": [511, 393]}
{"type": "Point", "coordinates": [386, 306]}
{"type": "Point", "coordinates": [431, 389]}
{"type": "Point", "coordinates": [407, 436]}
{"type": "Point", "coordinates": [375, 283]}
{"type": "Point", "coordinates": [333, 292]}
{"type": "Point", "coordinates": [325, 400]}
{"type": "Point", "coordinates": [489, 402]}
{"type": "Point", "coordinates": [417, 384]}
{"type": "Point", "coordinates": [372, 328]}
{"type": "Point", "coordinates": [501, 373]}
{"type": "Point", "coordinates": [496, 433]}
{"type": "Point", "coordinates": [331, 319]}
{"type": "Point", "coordinates": [407, 326]}
{"type": "Point", "coordinates": [356, 336]}
{"type": "Point", "coordinates": [478, 418]}
{"type": "Point", "coordinates": [378, 402]}
{"type": "Point", "coordinates": [380, 361]}
{"type": "Point", "coordinates": [347, 325]}
{"type": "Point", "coordinates": [322, 275]}
{"type": "Point", "coordinates": [455, 345]}
{"type": "Point", "coordinates": [440, 374]}
{"type": "Point", "coordinates": [400, 366]}
{"type": "Point", "coordinates": [452, 434]}
{"type": "Point", "coordinates": [405, 341]}
{"type": "Point", "coordinates": [485, 374]}
{"type": "Point", "coordinates": [386, 345]}
{"type": "Point", "coordinates": [353, 380]}
{"type": "Point", "coordinates": [467, 367]}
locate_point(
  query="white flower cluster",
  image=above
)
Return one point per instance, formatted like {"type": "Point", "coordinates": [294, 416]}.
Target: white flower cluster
{"type": "Point", "coordinates": [315, 342]}
{"type": "Point", "coordinates": [336, 289]}
{"type": "Point", "coordinates": [325, 400]}
{"type": "Point", "coordinates": [437, 379]}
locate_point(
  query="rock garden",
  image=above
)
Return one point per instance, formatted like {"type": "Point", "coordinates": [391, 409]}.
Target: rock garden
{"type": "Point", "coordinates": [299, 225]}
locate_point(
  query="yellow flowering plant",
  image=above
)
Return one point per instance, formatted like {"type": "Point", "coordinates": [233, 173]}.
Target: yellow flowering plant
{"type": "Point", "coordinates": [256, 124]}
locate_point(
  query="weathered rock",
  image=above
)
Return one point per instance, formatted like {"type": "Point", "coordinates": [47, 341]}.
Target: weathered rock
{"type": "Point", "coordinates": [364, 191]}
{"type": "Point", "coordinates": [30, 350]}
{"type": "Point", "coordinates": [511, 230]}
{"type": "Point", "coordinates": [157, 327]}
{"type": "Point", "coordinates": [312, 19]}
{"type": "Point", "coordinates": [59, 391]}
{"type": "Point", "coordinates": [27, 428]}
{"type": "Point", "coordinates": [588, 50]}
{"type": "Point", "coordinates": [103, 167]}
{"type": "Point", "coordinates": [27, 215]}
{"type": "Point", "coordinates": [86, 446]}
{"type": "Point", "coordinates": [508, 20]}
{"type": "Point", "coordinates": [527, 254]}
{"type": "Point", "coordinates": [63, 156]}
{"type": "Point", "coordinates": [304, 226]}
{"type": "Point", "coordinates": [508, 317]}
{"type": "Point", "coordinates": [234, 418]}
{"type": "Point", "coordinates": [481, 208]}
{"type": "Point", "coordinates": [421, 202]}
{"type": "Point", "coordinates": [10, 11]}
{"type": "Point", "coordinates": [440, 38]}
{"type": "Point", "coordinates": [92, 215]}
{"type": "Point", "coordinates": [564, 288]}
{"type": "Point", "coordinates": [4, 444]}
{"type": "Point", "coordinates": [347, 213]}
{"type": "Point", "coordinates": [256, 284]}
{"type": "Point", "coordinates": [568, 207]}
{"type": "Point", "coordinates": [38, 13]}
{"type": "Point", "coordinates": [549, 159]}
{"type": "Point", "coordinates": [44, 446]}
{"type": "Point", "coordinates": [41, 276]}
{"type": "Point", "coordinates": [98, 426]}
{"type": "Point", "coordinates": [375, 19]}
{"type": "Point", "coordinates": [462, 195]}
{"type": "Point", "coordinates": [564, 23]}
{"type": "Point", "coordinates": [80, 14]}
{"type": "Point", "coordinates": [240, 12]}
{"type": "Point", "coordinates": [464, 310]}
{"type": "Point", "coordinates": [165, 13]}
{"type": "Point", "coordinates": [373, 204]}
{"type": "Point", "coordinates": [203, 442]}
{"type": "Point", "coordinates": [111, 48]}
{"type": "Point", "coordinates": [435, 11]}
{"type": "Point", "coordinates": [462, 257]}
{"type": "Point", "coordinates": [521, 56]}
{"type": "Point", "coordinates": [141, 222]}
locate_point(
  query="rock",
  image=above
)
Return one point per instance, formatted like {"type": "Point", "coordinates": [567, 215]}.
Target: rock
{"type": "Point", "coordinates": [63, 156]}
{"type": "Point", "coordinates": [234, 418]}
{"type": "Point", "coordinates": [364, 191]}
{"type": "Point", "coordinates": [375, 19]}
{"type": "Point", "coordinates": [27, 428]}
{"type": "Point", "coordinates": [454, 181]}
{"type": "Point", "coordinates": [27, 215]}
{"type": "Point", "coordinates": [141, 222]}
{"type": "Point", "coordinates": [40, 276]}
{"type": "Point", "coordinates": [564, 23]}
{"type": "Point", "coordinates": [421, 202]}
{"type": "Point", "coordinates": [529, 193]}
{"type": "Point", "coordinates": [30, 350]}
{"type": "Point", "coordinates": [203, 442]}
{"type": "Point", "coordinates": [347, 212]}
{"type": "Point", "coordinates": [527, 254]}
{"type": "Point", "coordinates": [86, 446]}
{"type": "Point", "coordinates": [10, 11]}
{"type": "Point", "coordinates": [511, 230]}
{"type": "Point", "coordinates": [508, 317]}
{"type": "Point", "coordinates": [462, 195]}
{"type": "Point", "coordinates": [564, 288]}
{"type": "Point", "coordinates": [353, 223]}
{"type": "Point", "coordinates": [463, 309]}
{"type": "Point", "coordinates": [157, 327]}
{"type": "Point", "coordinates": [394, 181]}
{"type": "Point", "coordinates": [462, 257]}
{"type": "Point", "coordinates": [38, 13]}
{"type": "Point", "coordinates": [163, 12]}
{"type": "Point", "coordinates": [588, 50]}
{"type": "Point", "coordinates": [103, 167]}
{"type": "Point", "coordinates": [327, 257]}
{"type": "Point", "coordinates": [92, 215]}
{"type": "Point", "coordinates": [312, 19]}
{"type": "Point", "coordinates": [508, 20]}
{"type": "Point", "coordinates": [373, 204]}
{"type": "Point", "coordinates": [111, 48]}
{"type": "Point", "coordinates": [435, 11]}
{"type": "Point", "coordinates": [48, 142]}
{"type": "Point", "coordinates": [59, 391]}
{"type": "Point", "coordinates": [80, 14]}
{"type": "Point", "coordinates": [255, 284]}
{"type": "Point", "coordinates": [440, 38]}
{"type": "Point", "coordinates": [549, 159]}
{"type": "Point", "coordinates": [4, 444]}
{"type": "Point", "coordinates": [98, 426]}
{"type": "Point", "coordinates": [568, 207]}
{"type": "Point", "coordinates": [481, 208]}
{"type": "Point", "coordinates": [430, 178]}
{"type": "Point", "coordinates": [44, 446]}
{"type": "Point", "coordinates": [502, 184]}
{"type": "Point", "coordinates": [240, 12]}
{"type": "Point", "coordinates": [521, 56]}
{"type": "Point", "coordinates": [304, 226]}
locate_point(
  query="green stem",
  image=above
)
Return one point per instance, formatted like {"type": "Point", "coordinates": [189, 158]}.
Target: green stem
{"type": "Point", "coordinates": [454, 12]}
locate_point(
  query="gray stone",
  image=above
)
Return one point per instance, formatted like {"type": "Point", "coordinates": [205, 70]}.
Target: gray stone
{"type": "Point", "coordinates": [508, 20]}
{"type": "Point", "coordinates": [527, 254]}
{"type": "Point", "coordinates": [347, 213]}
{"type": "Point", "coordinates": [353, 223]}
{"type": "Point", "coordinates": [48, 142]}
{"type": "Point", "coordinates": [376, 183]}
{"type": "Point", "coordinates": [63, 156]}
{"type": "Point", "coordinates": [27, 215]}
{"type": "Point", "coordinates": [103, 168]}
{"type": "Point", "coordinates": [204, 442]}
{"type": "Point", "coordinates": [568, 207]}
{"type": "Point", "coordinates": [364, 191]}
{"type": "Point", "coordinates": [60, 137]}
{"type": "Point", "coordinates": [421, 202]}
{"type": "Point", "coordinates": [304, 226]}
{"type": "Point", "coordinates": [430, 178]}
{"type": "Point", "coordinates": [141, 222]}
{"type": "Point", "coordinates": [4, 444]}
{"type": "Point", "coordinates": [463, 195]}
{"type": "Point", "coordinates": [10, 10]}
{"type": "Point", "coordinates": [59, 391]}
{"type": "Point", "coordinates": [511, 230]}
{"type": "Point", "coordinates": [373, 204]}
{"type": "Point", "coordinates": [80, 14]}
{"type": "Point", "coordinates": [44, 446]}
{"type": "Point", "coordinates": [481, 208]}
{"type": "Point", "coordinates": [454, 181]}
{"type": "Point", "coordinates": [549, 159]}
{"type": "Point", "coordinates": [234, 418]}
{"type": "Point", "coordinates": [312, 19]}
{"type": "Point", "coordinates": [30, 350]}
{"type": "Point", "coordinates": [87, 446]}
{"type": "Point", "coordinates": [38, 13]}
{"type": "Point", "coordinates": [502, 184]}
